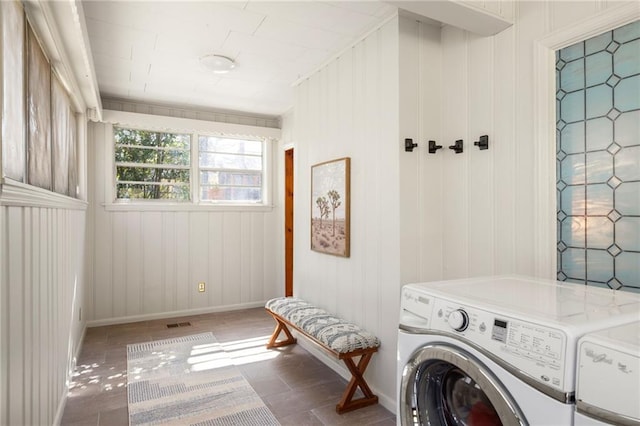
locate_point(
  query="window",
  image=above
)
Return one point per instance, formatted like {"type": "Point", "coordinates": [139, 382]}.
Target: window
{"type": "Point", "coordinates": [160, 165]}
{"type": "Point", "coordinates": [152, 165]}
{"type": "Point", "coordinates": [230, 169]}
{"type": "Point", "coordinates": [598, 178]}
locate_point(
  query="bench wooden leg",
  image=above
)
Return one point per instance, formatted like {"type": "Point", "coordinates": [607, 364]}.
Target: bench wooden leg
{"type": "Point", "coordinates": [357, 380]}
{"type": "Point", "coordinates": [280, 326]}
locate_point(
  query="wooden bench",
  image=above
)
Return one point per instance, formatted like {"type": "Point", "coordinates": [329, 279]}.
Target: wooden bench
{"type": "Point", "coordinates": [339, 338]}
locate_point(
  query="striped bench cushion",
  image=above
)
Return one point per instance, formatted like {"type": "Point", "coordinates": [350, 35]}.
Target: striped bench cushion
{"type": "Point", "coordinates": [335, 333]}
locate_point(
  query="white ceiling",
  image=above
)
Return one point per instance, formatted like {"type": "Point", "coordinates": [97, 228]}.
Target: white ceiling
{"type": "Point", "coordinates": [148, 51]}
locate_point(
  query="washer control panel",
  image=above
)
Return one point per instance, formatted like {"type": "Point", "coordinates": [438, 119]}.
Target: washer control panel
{"type": "Point", "coordinates": [537, 350]}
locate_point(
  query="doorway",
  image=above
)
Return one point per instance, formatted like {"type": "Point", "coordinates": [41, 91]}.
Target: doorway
{"type": "Point", "coordinates": [288, 222]}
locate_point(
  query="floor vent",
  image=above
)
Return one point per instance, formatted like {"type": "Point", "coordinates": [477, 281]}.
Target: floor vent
{"type": "Point", "coordinates": [179, 324]}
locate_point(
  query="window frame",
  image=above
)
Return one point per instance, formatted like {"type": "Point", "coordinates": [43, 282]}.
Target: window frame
{"type": "Point", "coordinates": [195, 128]}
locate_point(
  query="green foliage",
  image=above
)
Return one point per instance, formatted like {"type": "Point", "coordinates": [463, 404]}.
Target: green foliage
{"type": "Point", "coordinates": [152, 148]}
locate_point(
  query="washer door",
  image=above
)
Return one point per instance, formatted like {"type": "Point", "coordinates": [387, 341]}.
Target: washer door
{"type": "Point", "coordinates": [444, 385]}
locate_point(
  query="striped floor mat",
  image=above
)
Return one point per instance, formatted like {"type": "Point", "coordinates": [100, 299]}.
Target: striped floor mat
{"type": "Point", "coordinates": [190, 380]}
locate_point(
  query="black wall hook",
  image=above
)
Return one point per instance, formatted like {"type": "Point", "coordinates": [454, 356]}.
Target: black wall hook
{"type": "Point", "coordinates": [483, 143]}
{"type": "Point", "coordinates": [409, 145]}
{"type": "Point", "coordinates": [457, 147]}
{"type": "Point", "coordinates": [433, 147]}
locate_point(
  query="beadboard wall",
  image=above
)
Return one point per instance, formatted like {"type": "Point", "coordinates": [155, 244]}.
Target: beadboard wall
{"type": "Point", "coordinates": [147, 264]}
{"type": "Point", "coordinates": [492, 221]}
{"type": "Point", "coordinates": [416, 216]}
{"type": "Point", "coordinates": [350, 109]}
{"type": "Point", "coordinates": [42, 281]}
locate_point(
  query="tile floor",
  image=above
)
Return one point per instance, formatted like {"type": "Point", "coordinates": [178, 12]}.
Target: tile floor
{"type": "Point", "coordinates": [297, 388]}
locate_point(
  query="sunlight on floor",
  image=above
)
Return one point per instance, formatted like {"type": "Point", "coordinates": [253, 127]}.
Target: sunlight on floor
{"type": "Point", "coordinates": [250, 350]}
{"type": "Point", "coordinates": [208, 357]}
{"type": "Point", "coordinates": [86, 379]}
{"type": "Point", "coordinates": [237, 352]}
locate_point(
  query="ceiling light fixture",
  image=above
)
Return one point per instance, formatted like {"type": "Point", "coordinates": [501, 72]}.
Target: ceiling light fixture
{"type": "Point", "coordinates": [217, 63]}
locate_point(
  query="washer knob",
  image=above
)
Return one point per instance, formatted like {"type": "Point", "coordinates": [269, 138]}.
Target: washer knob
{"type": "Point", "coordinates": [458, 320]}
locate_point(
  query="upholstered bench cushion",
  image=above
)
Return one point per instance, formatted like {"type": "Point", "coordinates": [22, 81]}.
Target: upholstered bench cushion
{"type": "Point", "coordinates": [337, 334]}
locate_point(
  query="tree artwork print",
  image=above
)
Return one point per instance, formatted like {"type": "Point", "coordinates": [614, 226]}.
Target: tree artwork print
{"type": "Point", "coordinates": [330, 207]}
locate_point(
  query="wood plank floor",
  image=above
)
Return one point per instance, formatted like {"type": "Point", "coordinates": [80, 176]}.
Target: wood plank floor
{"type": "Point", "coordinates": [297, 388]}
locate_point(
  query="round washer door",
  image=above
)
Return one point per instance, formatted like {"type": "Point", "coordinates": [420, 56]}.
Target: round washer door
{"type": "Point", "coordinates": [445, 386]}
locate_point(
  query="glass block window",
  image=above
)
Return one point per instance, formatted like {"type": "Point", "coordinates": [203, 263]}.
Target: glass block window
{"type": "Point", "coordinates": [598, 159]}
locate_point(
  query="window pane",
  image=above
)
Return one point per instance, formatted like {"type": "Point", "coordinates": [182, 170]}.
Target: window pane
{"type": "Point", "coordinates": [39, 111]}
{"type": "Point", "coordinates": [152, 165]}
{"type": "Point", "coordinates": [222, 193]}
{"type": "Point", "coordinates": [60, 136]}
{"type": "Point", "coordinates": [13, 111]}
{"type": "Point", "coordinates": [152, 139]}
{"type": "Point", "coordinates": [598, 155]}
{"type": "Point", "coordinates": [230, 146]}
{"type": "Point", "coordinates": [147, 174]}
{"type": "Point", "coordinates": [73, 156]}
{"type": "Point", "coordinates": [230, 161]}
{"type": "Point", "coordinates": [230, 169]}
{"type": "Point", "coordinates": [153, 192]}
{"type": "Point", "coordinates": [147, 155]}
{"type": "Point", "coordinates": [231, 179]}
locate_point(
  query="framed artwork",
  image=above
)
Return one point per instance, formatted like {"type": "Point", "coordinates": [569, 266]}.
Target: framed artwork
{"type": "Point", "coordinates": [330, 207]}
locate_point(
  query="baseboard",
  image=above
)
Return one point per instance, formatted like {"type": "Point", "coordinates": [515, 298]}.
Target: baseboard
{"type": "Point", "coordinates": [173, 314]}
{"type": "Point", "coordinates": [57, 420]}
{"type": "Point", "coordinates": [63, 403]}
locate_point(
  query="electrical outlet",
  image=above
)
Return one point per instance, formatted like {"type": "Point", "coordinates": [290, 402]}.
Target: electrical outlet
{"type": "Point", "coordinates": [201, 287]}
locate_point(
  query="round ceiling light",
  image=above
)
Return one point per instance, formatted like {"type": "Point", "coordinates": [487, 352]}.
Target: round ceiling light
{"type": "Point", "coordinates": [217, 63]}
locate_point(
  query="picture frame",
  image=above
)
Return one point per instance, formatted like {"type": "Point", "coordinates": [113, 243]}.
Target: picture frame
{"type": "Point", "coordinates": [330, 207]}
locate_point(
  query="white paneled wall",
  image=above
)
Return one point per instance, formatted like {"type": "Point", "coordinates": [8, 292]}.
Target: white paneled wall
{"type": "Point", "coordinates": [147, 264]}
{"type": "Point", "coordinates": [41, 281]}
{"type": "Point", "coordinates": [350, 109]}
{"type": "Point", "coordinates": [489, 197]}
{"type": "Point", "coordinates": [420, 217]}
{"type": "Point", "coordinates": [420, 173]}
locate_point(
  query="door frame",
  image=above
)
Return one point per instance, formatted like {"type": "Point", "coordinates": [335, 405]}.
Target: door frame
{"type": "Point", "coordinates": [288, 220]}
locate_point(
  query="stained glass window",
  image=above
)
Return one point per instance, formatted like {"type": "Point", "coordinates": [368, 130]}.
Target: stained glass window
{"type": "Point", "coordinates": [598, 159]}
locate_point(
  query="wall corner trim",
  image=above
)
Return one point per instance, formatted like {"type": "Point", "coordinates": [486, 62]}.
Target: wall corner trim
{"type": "Point", "coordinates": [18, 194]}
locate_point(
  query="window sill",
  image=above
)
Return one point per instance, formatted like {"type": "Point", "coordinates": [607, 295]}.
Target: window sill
{"type": "Point", "coordinates": [185, 207]}
{"type": "Point", "coordinates": [18, 194]}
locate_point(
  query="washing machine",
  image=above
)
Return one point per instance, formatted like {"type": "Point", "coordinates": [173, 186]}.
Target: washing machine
{"type": "Point", "coordinates": [497, 350]}
{"type": "Point", "coordinates": [608, 377]}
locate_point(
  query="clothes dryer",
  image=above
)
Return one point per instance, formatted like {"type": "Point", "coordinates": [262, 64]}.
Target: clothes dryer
{"type": "Point", "coordinates": [608, 377]}
{"type": "Point", "coordinates": [497, 350]}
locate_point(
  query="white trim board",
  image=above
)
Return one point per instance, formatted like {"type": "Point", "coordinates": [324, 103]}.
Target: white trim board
{"type": "Point", "coordinates": [68, 380]}
{"type": "Point", "coordinates": [13, 193]}
{"type": "Point", "coordinates": [157, 122]}
{"type": "Point", "coordinates": [174, 314]}
{"type": "Point", "coordinates": [544, 117]}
